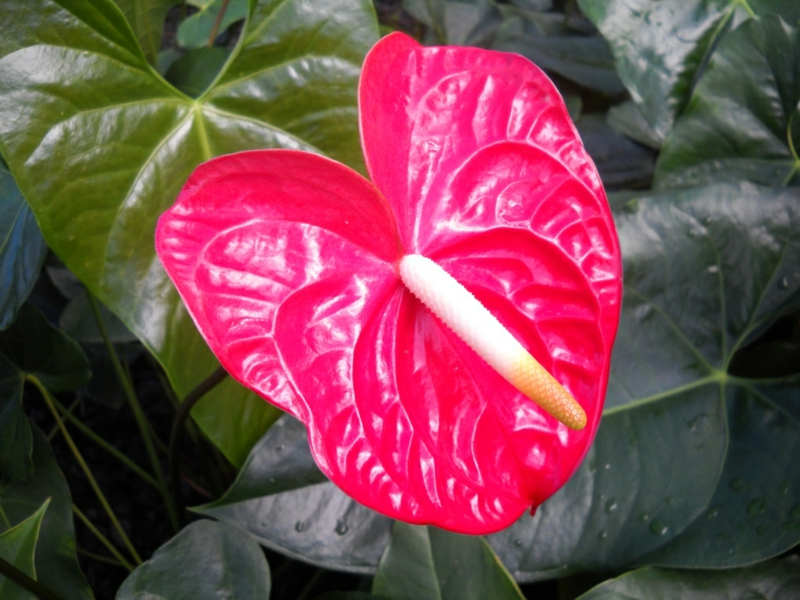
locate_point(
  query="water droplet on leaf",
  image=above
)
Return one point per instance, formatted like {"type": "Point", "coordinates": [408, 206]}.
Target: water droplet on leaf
{"type": "Point", "coordinates": [658, 528]}
{"type": "Point", "coordinates": [278, 448]}
{"type": "Point", "coordinates": [644, 517]}
{"type": "Point", "coordinates": [713, 269]}
{"type": "Point", "coordinates": [756, 506]}
{"type": "Point", "coordinates": [518, 543]}
{"type": "Point", "coordinates": [784, 283]}
{"type": "Point", "coordinates": [712, 512]}
{"type": "Point", "coordinates": [784, 487]}
{"type": "Point", "coordinates": [611, 506]}
{"type": "Point", "coordinates": [341, 527]}
{"type": "Point", "coordinates": [602, 535]}
{"type": "Point", "coordinates": [644, 311]}
{"type": "Point", "coordinates": [299, 527]}
{"type": "Point", "coordinates": [737, 485]}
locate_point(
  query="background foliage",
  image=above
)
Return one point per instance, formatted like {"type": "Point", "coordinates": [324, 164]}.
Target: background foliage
{"type": "Point", "coordinates": [688, 107]}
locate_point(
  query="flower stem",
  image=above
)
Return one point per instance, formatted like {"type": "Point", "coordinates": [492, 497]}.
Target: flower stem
{"type": "Point", "coordinates": [178, 425]}
{"type": "Point", "coordinates": [69, 410]}
{"type": "Point", "coordinates": [138, 413]}
{"type": "Point", "coordinates": [99, 557]}
{"type": "Point", "coordinates": [85, 430]}
{"type": "Point", "coordinates": [79, 457]}
{"type": "Point", "coordinates": [218, 22]}
{"type": "Point", "coordinates": [24, 581]}
{"type": "Point", "coordinates": [102, 539]}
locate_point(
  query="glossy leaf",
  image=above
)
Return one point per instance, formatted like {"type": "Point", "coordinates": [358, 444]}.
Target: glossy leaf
{"type": "Point", "coordinates": [78, 322]}
{"type": "Point", "coordinates": [100, 146]}
{"type": "Point", "coordinates": [146, 18]}
{"type": "Point", "coordinates": [195, 30]}
{"type": "Point", "coordinates": [425, 563]}
{"type": "Point", "coordinates": [692, 466]}
{"type": "Point", "coordinates": [196, 70]}
{"type": "Point", "coordinates": [298, 294]}
{"type": "Point", "coordinates": [18, 547]}
{"type": "Point", "coordinates": [585, 60]}
{"type": "Point", "coordinates": [622, 163]}
{"type": "Point", "coordinates": [661, 45]}
{"type": "Point", "coordinates": [287, 504]}
{"type": "Point", "coordinates": [22, 248]}
{"type": "Point", "coordinates": [55, 563]}
{"type": "Point", "coordinates": [743, 121]}
{"type": "Point", "coordinates": [205, 561]}
{"type": "Point", "coordinates": [771, 580]}
{"type": "Point", "coordinates": [629, 120]}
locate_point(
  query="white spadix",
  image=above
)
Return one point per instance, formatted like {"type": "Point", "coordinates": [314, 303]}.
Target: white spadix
{"type": "Point", "coordinates": [481, 331]}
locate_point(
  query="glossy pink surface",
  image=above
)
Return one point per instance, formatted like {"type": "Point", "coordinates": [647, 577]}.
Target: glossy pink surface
{"type": "Point", "coordinates": [288, 264]}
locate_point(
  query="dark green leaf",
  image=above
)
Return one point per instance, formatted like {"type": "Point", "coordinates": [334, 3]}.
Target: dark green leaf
{"type": "Point", "coordinates": [18, 547]}
{"type": "Point", "coordinates": [350, 596]}
{"type": "Point", "coordinates": [660, 45]}
{"type": "Point", "coordinates": [16, 442]}
{"type": "Point", "coordinates": [22, 249]}
{"type": "Point", "coordinates": [585, 60]}
{"type": "Point", "coordinates": [78, 321]}
{"type": "Point", "coordinates": [771, 580]}
{"type": "Point", "coordinates": [146, 18]}
{"type": "Point", "coordinates": [629, 120]}
{"type": "Point", "coordinates": [194, 31]}
{"type": "Point", "coordinates": [282, 498]}
{"type": "Point", "coordinates": [35, 347]}
{"type": "Point", "coordinates": [55, 563]}
{"type": "Point", "coordinates": [425, 563]}
{"type": "Point", "coordinates": [692, 466]}
{"type": "Point", "coordinates": [100, 146]}
{"type": "Point", "coordinates": [205, 561]}
{"type": "Point", "coordinates": [623, 164]}
{"type": "Point", "coordinates": [197, 69]}
{"type": "Point", "coordinates": [738, 124]}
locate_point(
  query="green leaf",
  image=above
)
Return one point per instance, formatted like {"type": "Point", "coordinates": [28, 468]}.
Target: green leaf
{"type": "Point", "coordinates": [16, 442]}
{"type": "Point", "coordinates": [197, 69]}
{"type": "Point", "coordinates": [194, 31]}
{"type": "Point", "coordinates": [426, 563]}
{"type": "Point", "coordinates": [622, 163]}
{"type": "Point", "coordinates": [282, 498]}
{"type": "Point", "coordinates": [739, 123]}
{"type": "Point", "coordinates": [146, 18]}
{"type": "Point", "coordinates": [22, 249]}
{"type": "Point", "coordinates": [774, 579]}
{"type": "Point", "coordinates": [35, 347]}
{"type": "Point", "coordinates": [692, 466]}
{"type": "Point", "coordinates": [205, 561]}
{"type": "Point", "coordinates": [349, 596]}
{"type": "Point", "coordinates": [661, 45]}
{"type": "Point", "coordinates": [18, 547]}
{"type": "Point", "coordinates": [32, 346]}
{"type": "Point", "coordinates": [585, 60]}
{"type": "Point", "coordinates": [100, 145]}
{"type": "Point", "coordinates": [629, 120]}
{"type": "Point", "coordinates": [78, 321]}
{"type": "Point", "coordinates": [56, 564]}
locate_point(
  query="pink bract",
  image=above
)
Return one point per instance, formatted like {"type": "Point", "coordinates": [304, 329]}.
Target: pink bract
{"type": "Point", "coordinates": [287, 261]}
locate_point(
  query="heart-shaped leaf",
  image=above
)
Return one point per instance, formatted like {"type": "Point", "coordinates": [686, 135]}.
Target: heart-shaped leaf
{"type": "Point", "coordinates": [660, 45]}
{"type": "Point", "coordinates": [205, 561]}
{"type": "Point", "coordinates": [22, 248]}
{"type": "Point", "coordinates": [282, 498]}
{"type": "Point", "coordinates": [692, 465]}
{"type": "Point", "coordinates": [743, 121]}
{"type": "Point", "coordinates": [773, 580]}
{"type": "Point", "coordinates": [100, 159]}
{"type": "Point", "coordinates": [425, 563]}
{"type": "Point", "coordinates": [18, 547]}
{"type": "Point", "coordinates": [55, 561]}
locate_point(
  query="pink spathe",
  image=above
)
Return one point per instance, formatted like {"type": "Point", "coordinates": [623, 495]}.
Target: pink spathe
{"type": "Point", "coordinates": [288, 263]}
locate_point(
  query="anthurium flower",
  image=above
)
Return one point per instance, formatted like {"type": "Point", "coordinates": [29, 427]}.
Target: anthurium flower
{"type": "Point", "coordinates": [385, 314]}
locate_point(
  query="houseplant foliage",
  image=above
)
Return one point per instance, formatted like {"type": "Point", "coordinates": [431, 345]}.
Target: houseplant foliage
{"type": "Point", "coordinates": [692, 484]}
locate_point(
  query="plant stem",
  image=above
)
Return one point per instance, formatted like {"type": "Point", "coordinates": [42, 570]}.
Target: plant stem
{"type": "Point", "coordinates": [24, 581]}
{"type": "Point", "coordinates": [176, 437]}
{"type": "Point", "coordinates": [138, 413]}
{"type": "Point", "coordinates": [84, 429]}
{"type": "Point", "coordinates": [67, 411]}
{"type": "Point", "coordinates": [99, 557]}
{"type": "Point", "coordinates": [218, 22]}
{"type": "Point", "coordinates": [68, 438]}
{"type": "Point", "coordinates": [101, 538]}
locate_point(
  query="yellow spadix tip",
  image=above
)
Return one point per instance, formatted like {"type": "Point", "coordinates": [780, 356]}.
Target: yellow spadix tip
{"type": "Point", "coordinates": [533, 380]}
